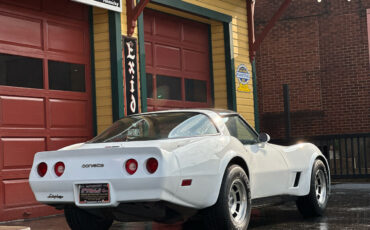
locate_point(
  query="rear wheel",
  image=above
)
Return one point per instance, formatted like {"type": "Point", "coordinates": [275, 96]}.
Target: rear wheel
{"type": "Point", "coordinates": [315, 202]}
{"type": "Point", "coordinates": [79, 219]}
{"type": "Point", "coordinates": [233, 208]}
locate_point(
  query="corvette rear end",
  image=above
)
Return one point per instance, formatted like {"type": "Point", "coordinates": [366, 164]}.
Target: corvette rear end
{"type": "Point", "coordinates": [127, 174]}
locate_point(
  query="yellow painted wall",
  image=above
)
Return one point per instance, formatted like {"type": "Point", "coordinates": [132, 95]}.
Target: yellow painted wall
{"type": "Point", "coordinates": [102, 65]}
{"type": "Point", "coordinates": [236, 9]}
{"type": "Point", "coordinates": [219, 66]}
{"type": "Point", "coordinates": [102, 69]}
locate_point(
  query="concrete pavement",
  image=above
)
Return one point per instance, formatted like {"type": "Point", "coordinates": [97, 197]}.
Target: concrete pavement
{"type": "Point", "coordinates": [348, 208]}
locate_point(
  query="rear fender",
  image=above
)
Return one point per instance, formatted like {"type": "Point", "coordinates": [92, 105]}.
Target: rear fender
{"type": "Point", "coordinates": [237, 151]}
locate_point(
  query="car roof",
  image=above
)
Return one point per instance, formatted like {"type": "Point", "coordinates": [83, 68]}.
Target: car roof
{"type": "Point", "coordinates": [223, 112]}
{"type": "Point", "coordinates": [220, 112]}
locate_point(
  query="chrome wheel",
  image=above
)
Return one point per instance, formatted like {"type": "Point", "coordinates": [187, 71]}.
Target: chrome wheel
{"type": "Point", "coordinates": [320, 186]}
{"type": "Point", "coordinates": [238, 201]}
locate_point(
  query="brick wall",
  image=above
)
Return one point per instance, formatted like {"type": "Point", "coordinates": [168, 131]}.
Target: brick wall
{"type": "Point", "coordinates": [322, 51]}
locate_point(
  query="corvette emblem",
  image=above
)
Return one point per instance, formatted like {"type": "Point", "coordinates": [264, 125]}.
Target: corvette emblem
{"type": "Point", "coordinates": [92, 165]}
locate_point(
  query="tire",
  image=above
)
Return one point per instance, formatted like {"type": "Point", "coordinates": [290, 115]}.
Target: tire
{"type": "Point", "coordinates": [227, 213]}
{"type": "Point", "coordinates": [314, 204]}
{"type": "Point", "coordinates": [79, 219]}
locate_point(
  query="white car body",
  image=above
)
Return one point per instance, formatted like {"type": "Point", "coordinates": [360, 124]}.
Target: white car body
{"type": "Point", "coordinates": [272, 169]}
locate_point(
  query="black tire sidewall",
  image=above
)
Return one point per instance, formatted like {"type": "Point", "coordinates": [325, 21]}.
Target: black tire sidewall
{"type": "Point", "coordinates": [319, 165]}
{"type": "Point", "coordinates": [233, 173]}
{"type": "Point", "coordinates": [308, 205]}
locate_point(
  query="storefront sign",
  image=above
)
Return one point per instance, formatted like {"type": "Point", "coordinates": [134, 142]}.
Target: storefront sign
{"type": "Point", "coordinates": [115, 5]}
{"type": "Point", "coordinates": [243, 76]}
{"type": "Point", "coordinates": [130, 58]}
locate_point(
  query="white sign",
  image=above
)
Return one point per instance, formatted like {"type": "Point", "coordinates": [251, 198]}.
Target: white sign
{"type": "Point", "coordinates": [115, 5]}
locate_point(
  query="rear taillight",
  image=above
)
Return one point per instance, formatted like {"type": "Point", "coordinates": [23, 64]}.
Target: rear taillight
{"type": "Point", "coordinates": [152, 165]}
{"type": "Point", "coordinates": [59, 168]}
{"type": "Point", "coordinates": [131, 166]}
{"type": "Point", "coordinates": [42, 168]}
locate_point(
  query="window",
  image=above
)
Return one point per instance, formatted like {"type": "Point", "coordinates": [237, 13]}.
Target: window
{"type": "Point", "coordinates": [196, 90]}
{"type": "Point", "coordinates": [239, 129]}
{"type": "Point", "coordinates": [21, 71]}
{"type": "Point", "coordinates": [179, 88]}
{"type": "Point", "coordinates": [157, 126]}
{"type": "Point", "coordinates": [168, 88]}
{"type": "Point", "coordinates": [66, 76]}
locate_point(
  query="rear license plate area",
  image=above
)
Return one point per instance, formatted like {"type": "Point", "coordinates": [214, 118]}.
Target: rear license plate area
{"type": "Point", "coordinates": [94, 193]}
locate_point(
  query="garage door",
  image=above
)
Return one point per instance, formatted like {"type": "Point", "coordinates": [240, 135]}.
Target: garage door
{"type": "Point", "coordinates": [177, 62]}
{"type": "Point", "coordinates": [45, 93]}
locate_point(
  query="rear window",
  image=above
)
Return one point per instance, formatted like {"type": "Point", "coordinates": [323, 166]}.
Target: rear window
{"type": "Point", "coordinates": [157, 126]}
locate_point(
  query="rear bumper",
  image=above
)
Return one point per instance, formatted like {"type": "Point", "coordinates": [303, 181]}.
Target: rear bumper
{"type": "Point", "coordinates": [142, 186]}
{"type": "Point", "coordinates": [120, 191]}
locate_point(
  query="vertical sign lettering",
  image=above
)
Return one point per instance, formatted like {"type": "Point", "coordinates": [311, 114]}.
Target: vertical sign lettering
{"type": "Point", "coordinates": [130, 57]}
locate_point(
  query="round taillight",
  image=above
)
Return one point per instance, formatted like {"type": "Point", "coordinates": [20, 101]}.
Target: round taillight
{"type": "Point", "coordinates": [131, 166]}
{"type": "Point", "coordinates": [152, 165]}
{"type": "Point", "coordinates": [59, 168]}
{"type": "Point", "coordinates": [42, 168]}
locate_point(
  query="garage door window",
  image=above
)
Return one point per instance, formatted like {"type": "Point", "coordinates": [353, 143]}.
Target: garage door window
{"type": "Point", "coordinates": [196, 90]}
{"type": "Point", "coordinates": [66, 76]}
{"type": "Point", "coordinates": [168, 88]}
{"type": "Point", "coordinates": [21, 71]}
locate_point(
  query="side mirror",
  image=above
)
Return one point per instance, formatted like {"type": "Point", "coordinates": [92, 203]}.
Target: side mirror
{"type": "Point", "coordinates": [264, 137]}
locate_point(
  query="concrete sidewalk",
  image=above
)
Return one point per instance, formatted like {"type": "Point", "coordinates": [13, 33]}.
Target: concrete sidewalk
{"type": "Point", "coordinates": [348, 208]}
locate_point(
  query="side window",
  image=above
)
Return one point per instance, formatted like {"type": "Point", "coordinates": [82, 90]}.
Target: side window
{"type": "Point", "coordinates": [240, 130]}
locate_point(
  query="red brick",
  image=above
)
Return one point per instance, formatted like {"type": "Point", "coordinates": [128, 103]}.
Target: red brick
{"type": "Point", "coordinates": [321, 50]}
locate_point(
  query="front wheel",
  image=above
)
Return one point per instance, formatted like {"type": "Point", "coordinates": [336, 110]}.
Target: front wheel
{"type": "Point", "coordinates": [232, 210]}
{"type": "Point", "coordinates": [79, 219]}
{"type": "Point", "coordinates": [315, 202]}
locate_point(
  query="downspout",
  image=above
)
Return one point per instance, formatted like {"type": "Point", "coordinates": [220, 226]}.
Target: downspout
{"type": "Point", "coordinates": [254, 45]}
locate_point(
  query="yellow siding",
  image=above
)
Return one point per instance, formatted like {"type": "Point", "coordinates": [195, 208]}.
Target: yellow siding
{"type": "Point", "coordinates": [178, 13]}
{"type": "Point", "coordinates": [102, 69]}
{"type": "Point", "coordinates": [219, 67]}
{"type": "Point", "coordinates": [236, 9]}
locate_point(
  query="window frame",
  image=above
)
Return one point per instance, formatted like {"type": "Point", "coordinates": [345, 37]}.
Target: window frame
{"type": "Point", "coordinates": [244, 122]}
{"type": "Point", "coordinates": [210, 118]}
{"type": "Point", "coordinates": [218, 133]}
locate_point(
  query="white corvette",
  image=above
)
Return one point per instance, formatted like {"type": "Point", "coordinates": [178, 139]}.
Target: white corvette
{"type": "Point", "coordinates": [169, 166]}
